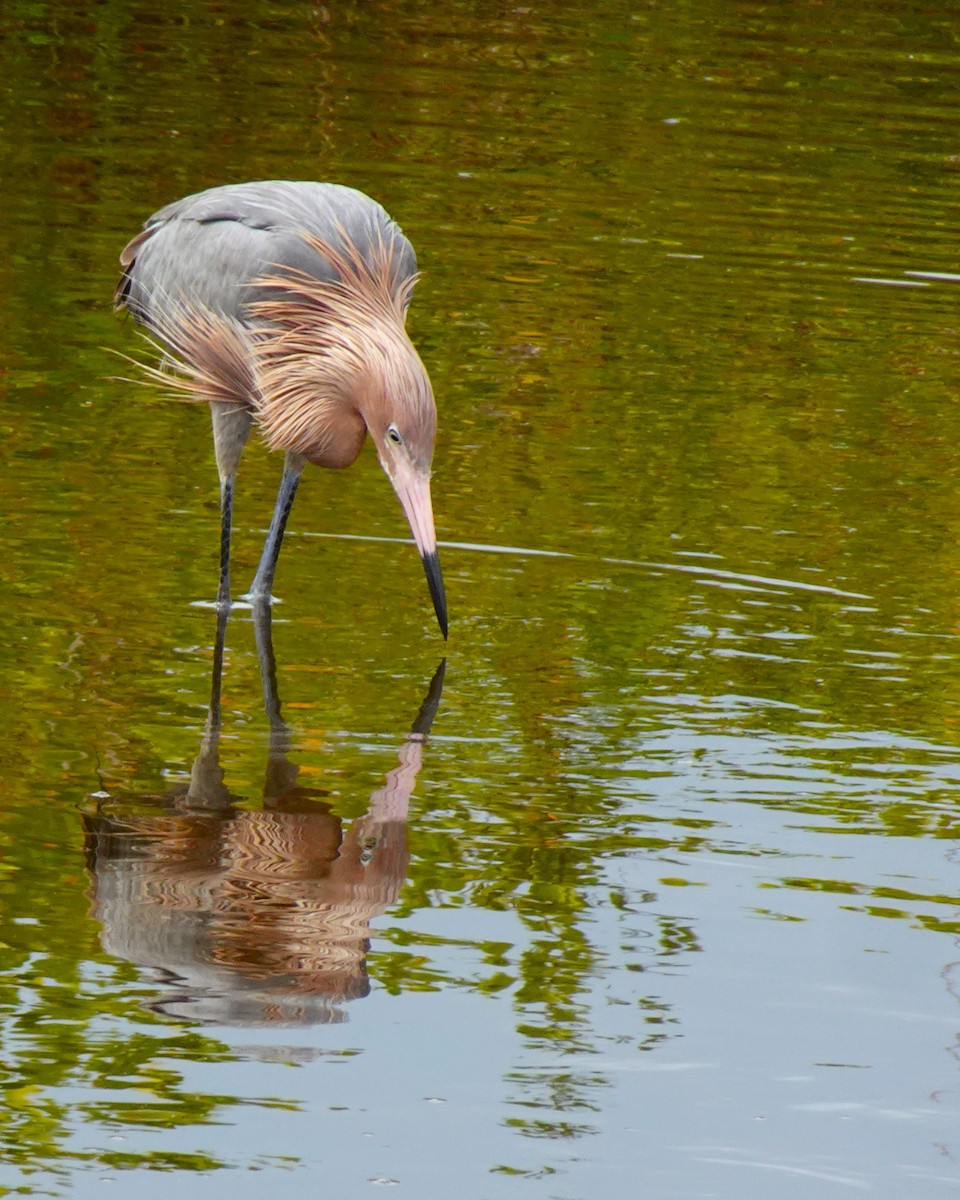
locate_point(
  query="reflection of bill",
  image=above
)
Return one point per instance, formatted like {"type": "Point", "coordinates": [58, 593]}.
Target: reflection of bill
{"type": "Point", "coordinates": [254, 917]}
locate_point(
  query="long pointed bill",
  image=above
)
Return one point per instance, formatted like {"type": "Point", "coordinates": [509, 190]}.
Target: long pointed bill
{"type": "Point", "coordinates": [413, 490]}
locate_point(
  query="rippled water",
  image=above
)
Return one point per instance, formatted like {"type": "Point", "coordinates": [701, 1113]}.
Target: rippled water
{"type": "Point", "coordinates": [660, 894]}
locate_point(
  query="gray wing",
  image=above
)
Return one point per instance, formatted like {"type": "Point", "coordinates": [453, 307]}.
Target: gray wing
{"type": "Point", "coordinates": [206, 249]}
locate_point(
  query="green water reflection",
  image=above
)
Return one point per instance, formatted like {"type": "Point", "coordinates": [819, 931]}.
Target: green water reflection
{"type": "Point", "coordinates": [681, 881]}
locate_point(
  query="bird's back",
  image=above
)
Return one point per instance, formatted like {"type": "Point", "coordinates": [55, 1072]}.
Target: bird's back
{"type": "Point", "coordinates": [205, 250]}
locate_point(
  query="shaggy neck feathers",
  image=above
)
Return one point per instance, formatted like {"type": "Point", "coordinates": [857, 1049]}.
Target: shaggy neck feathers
{"type": "Point", "coordinates": [319, 361]}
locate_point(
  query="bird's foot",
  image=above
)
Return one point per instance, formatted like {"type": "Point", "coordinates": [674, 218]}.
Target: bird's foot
{"type": "Point", "coordinates": [258, 598]}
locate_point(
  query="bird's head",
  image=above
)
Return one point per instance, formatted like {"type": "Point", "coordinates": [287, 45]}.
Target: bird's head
{"type": "Point", "coordinates": [395, 400]}
{"type": "Point", "coordinates": [334, 363]}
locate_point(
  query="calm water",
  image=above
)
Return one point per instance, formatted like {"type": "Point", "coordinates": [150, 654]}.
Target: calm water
{"type": "Point", "coordinates": [667, 902]}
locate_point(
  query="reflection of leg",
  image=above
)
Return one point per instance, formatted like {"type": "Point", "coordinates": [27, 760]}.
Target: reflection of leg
{"type": "Point", "coordinates": [263, 629]}
{"type": "Point", "coordinates": [262, 585]}
{"type": "Point", "coordinates": [281, 774]}
{"type": "Point", "coordinates": [207, 789]}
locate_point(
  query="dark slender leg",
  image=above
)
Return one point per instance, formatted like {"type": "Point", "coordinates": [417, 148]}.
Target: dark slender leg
{"type": "Point", "coordinates": [226, 521]}
{"type": "Point", "coordinates": [262, 585]}
{"type": "Point", "coordinates": [216, 677]}
{"type": "Point", "coordinates": [231, 427]}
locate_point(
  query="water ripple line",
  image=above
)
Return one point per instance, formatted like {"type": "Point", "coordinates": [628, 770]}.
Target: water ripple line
{"type": "Point", "coordinates": [644, 564]}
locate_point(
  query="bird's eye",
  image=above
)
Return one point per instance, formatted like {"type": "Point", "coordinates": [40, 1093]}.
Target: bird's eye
{"type": "Point", "coordinates": [393, 433]}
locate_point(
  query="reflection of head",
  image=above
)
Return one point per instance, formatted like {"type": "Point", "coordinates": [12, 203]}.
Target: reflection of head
{"type": "Point", "coordinates": [253, 918]}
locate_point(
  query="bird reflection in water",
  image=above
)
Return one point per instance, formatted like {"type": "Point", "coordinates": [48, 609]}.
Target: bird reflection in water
{"type": "Point", "coordinates": [253, 918]}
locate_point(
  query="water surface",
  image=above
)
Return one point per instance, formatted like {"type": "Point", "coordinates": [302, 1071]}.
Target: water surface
{"type": "Point", "coordinates": [666, 900]}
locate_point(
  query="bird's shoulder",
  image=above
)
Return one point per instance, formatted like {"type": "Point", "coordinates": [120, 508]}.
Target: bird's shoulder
{"type": "Point", "coordinates": [278, 204]}
{"type": "Point", "coordinates": [213, 243]}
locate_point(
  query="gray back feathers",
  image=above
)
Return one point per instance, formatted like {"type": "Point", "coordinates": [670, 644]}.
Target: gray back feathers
{"type": "Point", "coordinates": [206, 250]}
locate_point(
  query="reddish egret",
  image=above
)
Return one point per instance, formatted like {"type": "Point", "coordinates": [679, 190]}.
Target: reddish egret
{"type": "Point", "coordinates": [283, 304]}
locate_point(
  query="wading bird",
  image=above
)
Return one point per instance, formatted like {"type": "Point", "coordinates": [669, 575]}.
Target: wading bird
{"type": "Point", "coordinates": [283, 304]}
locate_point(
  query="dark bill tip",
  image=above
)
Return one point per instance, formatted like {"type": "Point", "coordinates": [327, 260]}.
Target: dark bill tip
{"type": "Point", "coordinates": [431, 566]}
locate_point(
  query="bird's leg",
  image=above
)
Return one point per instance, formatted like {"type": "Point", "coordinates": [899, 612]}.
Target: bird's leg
{"type": "Point", "coordinates": [231, 428]}
{"type": "Point", "coordinates": [226, 521]}
{"type": "Point", "coordinates": [262, 585]}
